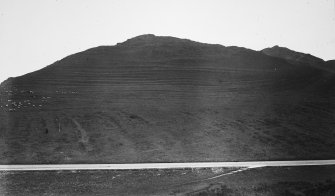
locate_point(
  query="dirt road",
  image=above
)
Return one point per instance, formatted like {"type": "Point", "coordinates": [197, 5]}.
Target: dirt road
{"type": "Point", "coordinates": [251, 164]}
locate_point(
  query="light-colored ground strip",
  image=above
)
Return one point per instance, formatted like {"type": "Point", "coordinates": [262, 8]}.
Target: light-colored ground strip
{"type": "Point", "coordinates": [230, 173]}
{"type": "Point", "coordinates": [250, 164]}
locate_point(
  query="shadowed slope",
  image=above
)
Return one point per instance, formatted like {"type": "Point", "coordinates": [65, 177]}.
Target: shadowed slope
{"type": "Point", "coordinates": [292, 56]}
{"type": "Point", "coordinates": [154, 98]}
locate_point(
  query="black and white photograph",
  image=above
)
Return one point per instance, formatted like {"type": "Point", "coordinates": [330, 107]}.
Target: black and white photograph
{"type": "Point", "coordinates": [167, 97]}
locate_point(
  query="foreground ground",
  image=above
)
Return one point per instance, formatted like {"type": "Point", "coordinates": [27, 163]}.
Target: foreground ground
{"type": "Point", "coordinates": [276, 128]}
{"type": "Point", "coordinates": [292, 181]}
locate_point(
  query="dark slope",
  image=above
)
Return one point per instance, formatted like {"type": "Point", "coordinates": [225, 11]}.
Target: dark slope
{"type": "Point", "coordinates": [299, 58]}
{"type": "Point", "coordinates": [153, 98]}
{"type": "Point", "coordinates": [329, 65]}
{"type": "Point", "coordinates": [292, 56]}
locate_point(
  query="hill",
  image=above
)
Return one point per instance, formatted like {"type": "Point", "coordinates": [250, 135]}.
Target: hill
{"type": "Point", "coordinates": [292, 56]}
{"type": "Point", "coordinates": [165, 99]}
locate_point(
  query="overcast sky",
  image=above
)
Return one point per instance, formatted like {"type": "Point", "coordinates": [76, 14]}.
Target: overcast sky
{"type": "Point", "coordinates": [36, 33]}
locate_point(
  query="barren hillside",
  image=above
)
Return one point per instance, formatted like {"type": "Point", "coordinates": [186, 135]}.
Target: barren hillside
{"type": "Point", "coordinates": [164, 99]}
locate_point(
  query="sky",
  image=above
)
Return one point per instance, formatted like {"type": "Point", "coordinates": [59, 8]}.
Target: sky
{"type": "Point", "coordinates": [36, 33]}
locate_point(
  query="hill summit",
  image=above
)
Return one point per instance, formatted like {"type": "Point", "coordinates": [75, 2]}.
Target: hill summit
{"type": "Point", "coordinates": [292, 56]}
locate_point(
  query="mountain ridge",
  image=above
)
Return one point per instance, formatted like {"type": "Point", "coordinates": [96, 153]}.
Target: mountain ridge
{"type": "Point", "coordinates": [150, 40]}
{"type": "Point", "coordinates": [291, 55]}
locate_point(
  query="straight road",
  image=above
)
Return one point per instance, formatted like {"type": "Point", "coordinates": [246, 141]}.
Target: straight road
{"type": "Point", "coordinates": [249, 164]}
